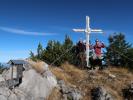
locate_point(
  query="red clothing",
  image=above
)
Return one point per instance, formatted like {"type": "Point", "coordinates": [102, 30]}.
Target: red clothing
{"type": "Point", "coordinates": [97, 48]}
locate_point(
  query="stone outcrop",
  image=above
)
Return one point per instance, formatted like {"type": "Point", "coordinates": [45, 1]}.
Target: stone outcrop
{"type": "Point", "coordinates": [100, 93]}
{"type": "Point", "coordinates": [128, 92]}
{"type": "Point", "coordinates": [69, 93]}
{"type": "Point", "coordinates": [34, 86]}
{"type": "Point", "coordinates": [37, 84]}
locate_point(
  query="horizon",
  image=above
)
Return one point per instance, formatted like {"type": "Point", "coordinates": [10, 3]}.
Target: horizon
{"type": "Point", "coordinates": [23, 24]}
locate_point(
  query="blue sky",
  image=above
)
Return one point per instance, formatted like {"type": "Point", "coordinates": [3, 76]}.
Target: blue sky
{"type": "Point", "coordinates": [25, 23]}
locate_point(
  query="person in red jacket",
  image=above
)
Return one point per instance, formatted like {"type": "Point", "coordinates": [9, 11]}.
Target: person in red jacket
{"type": "Point", "coordinates": [97, 56]}
{"type": "Point", "coordinates": [97, 49]}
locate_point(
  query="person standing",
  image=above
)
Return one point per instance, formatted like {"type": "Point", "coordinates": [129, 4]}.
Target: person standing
{"type": "Point", "coordinates": [81, 53]}
{"type": "Point", "coordinates": [98, 53]}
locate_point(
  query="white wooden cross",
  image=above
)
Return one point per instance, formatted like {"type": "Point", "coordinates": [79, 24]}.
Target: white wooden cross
{"type": "Point", "coordinates": [88, 30]}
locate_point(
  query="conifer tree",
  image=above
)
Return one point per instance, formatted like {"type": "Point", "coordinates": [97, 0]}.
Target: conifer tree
{"type": "Point", "coordinates": [117, 49]}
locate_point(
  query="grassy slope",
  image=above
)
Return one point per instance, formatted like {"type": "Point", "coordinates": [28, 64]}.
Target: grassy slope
{"type": "Point", "coordinates": [85, 80]}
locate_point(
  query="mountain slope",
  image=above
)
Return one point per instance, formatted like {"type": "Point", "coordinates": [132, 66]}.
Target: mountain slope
{"type": "Point", "coordinates": [112, 79]}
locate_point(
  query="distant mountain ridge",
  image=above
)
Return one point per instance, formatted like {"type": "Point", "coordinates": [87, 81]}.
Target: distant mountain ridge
{"type": "Point", "coordinates": [5, 65]}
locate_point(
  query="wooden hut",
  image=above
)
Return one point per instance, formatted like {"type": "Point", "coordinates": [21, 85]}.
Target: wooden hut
{"type": "Point", "coordinates": [16, 72]}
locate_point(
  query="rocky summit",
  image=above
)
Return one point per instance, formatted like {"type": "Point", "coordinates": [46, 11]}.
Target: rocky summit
{"type": "Point", "coordinates": [37, 83]}
{"type": "Point", "coordinates": [34, 86]}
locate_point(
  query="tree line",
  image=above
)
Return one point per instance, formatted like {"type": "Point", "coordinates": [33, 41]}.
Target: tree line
{"type": "Point", "coordinates": [119, 52]}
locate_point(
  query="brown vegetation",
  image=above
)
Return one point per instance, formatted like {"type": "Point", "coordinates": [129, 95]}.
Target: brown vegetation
{"type": "Point", "coordinates": [85, 80]}
{"type": "Point", "coordinates": [38, 66]}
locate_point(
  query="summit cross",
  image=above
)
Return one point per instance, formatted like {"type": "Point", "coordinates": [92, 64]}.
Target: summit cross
{"type": "Point", "coordinates": [87, 31]}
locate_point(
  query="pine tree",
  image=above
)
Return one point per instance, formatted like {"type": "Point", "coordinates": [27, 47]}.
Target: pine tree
{"type": "Point", "coordinates": [53, 52]}
{"type": "Point", "coordinates": [117, 49]}
{"type": "Point", "coordinates": [67, 49]}
{"type": "Point", "coordinates": [32, 56]}
{"type": "Point", "coordinates": [130, 58]}
{"type": "Point", "coordinates": [39, 50]}
{"type": "Point", "coordinates": [48, 54]}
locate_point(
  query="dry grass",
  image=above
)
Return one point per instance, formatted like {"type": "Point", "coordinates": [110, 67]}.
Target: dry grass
{"type": "Point", "coordinates": [55, 95]}
{"type": "Point", "coordinates": [68, 73]}
{"type": "Point", "coordinates": [74, 72]}
{"type": "Point", "coordinates": [60, 74]}
{"type": "Point", "coordinates": [114, 93]}
{"type": "Point", "coordinates": [85, 80]}
{"type": "Point", "coordinates": [115, 85]}
{"type": "Point", "coordinates": [38, 66]}
{"type": "Point", "coordinates": [119, 70]}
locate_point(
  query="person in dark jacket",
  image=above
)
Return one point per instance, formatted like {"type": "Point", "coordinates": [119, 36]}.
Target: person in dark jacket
{"type": "Point", "coordinates": [81, 48]}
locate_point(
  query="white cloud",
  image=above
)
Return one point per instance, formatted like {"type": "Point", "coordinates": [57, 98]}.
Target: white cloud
{"type": "Point", "coordinates": [24, 32]}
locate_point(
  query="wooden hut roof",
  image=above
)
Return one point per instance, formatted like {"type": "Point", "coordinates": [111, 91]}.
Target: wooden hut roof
{"type": "Point", "coordinates": [18, 62]}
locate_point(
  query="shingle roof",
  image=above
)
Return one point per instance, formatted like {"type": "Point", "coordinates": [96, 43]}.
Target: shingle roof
{"type": "Point", "coordinates": [18, 61]}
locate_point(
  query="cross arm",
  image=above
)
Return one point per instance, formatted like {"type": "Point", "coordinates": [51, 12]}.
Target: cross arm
{"type": "Point", "coordinates": [97, 30]}
{"type": "Point", "coordinates": [79, 30]}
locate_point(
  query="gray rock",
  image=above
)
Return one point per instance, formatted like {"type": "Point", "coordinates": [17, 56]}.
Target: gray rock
{"type": "Point", "coordinates": [75, 95]}
{"type": "Point", "coordinates": [50, 77]}
{"type": "Point", "coordinates": [4, 91]}
{"type": "Point", "coordinates": [63, 87]}
{"type": "Point", "coordinates": [131, 85]}
{"type": "Point", "coordinates": [1, 78]}
{"type": "Point", "coordinates": [45, 66]}
{"type": "Point", "coordinates": [2, 81]}
{"type": "Point", "coordinates": [13, 97]}
{"type": "Point", "coordinates": [69, 93]}
{"type": "Point", "coordinates": [2, 97]}
{"type": "Point", "coordinates": [34, 86]}
{"type": "Point", "coordinates": [128, 92]}
{"type": "Point", "coordinates": [100, 93]}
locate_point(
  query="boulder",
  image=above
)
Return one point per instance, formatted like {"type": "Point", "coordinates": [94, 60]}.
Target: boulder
{"type": "Point", "coordinates": [69, 93]}
{"type": "Point", "coordinates": [2, 81]}
{"type": "Point", "coordinates": [34, 85]}
{"type": "Point", "coordinates": [40, 67]}
{"type": "Point", "coordinates": [50, 77]}
{"type": "Point", "coordinates": [128, 92]}
{"type": "Point", "coordinates": [2, 78]}
{"type": "Point", "coordinates": [4, 93]}
{"type": "Point", "coordinates": [100, 93]}
{"type": "Point", "coordinates": [2, 97]}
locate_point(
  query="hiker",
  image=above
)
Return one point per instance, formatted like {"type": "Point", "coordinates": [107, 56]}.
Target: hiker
{"type": "Point", "coordinates": [97, 52]}
{"type": "Point", "coordinates": [81, 48]}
